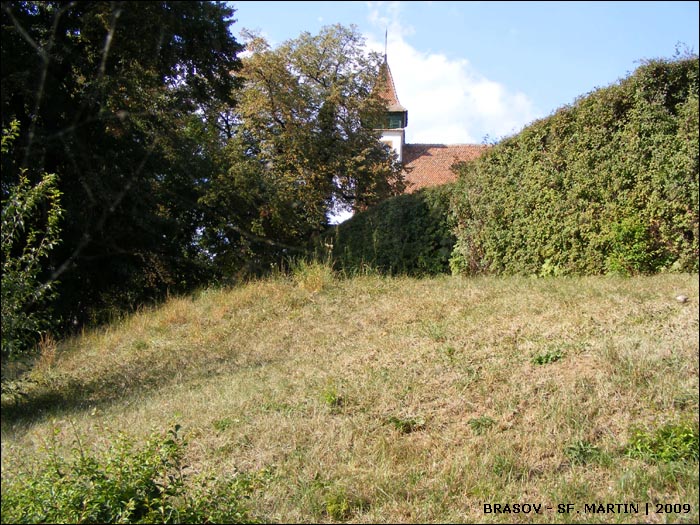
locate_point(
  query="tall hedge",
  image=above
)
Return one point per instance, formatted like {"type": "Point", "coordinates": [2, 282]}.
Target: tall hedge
{"type": "Point", "coordinates": [407, 234]}
{"type": "Point", "coordinates": [606, 185]}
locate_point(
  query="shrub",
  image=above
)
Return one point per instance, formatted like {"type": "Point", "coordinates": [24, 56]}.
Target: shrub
{"type": "Point", "coordinates": [606, 185]}
{"type": "Point", "coordinates": [408, 234]}
{"type": "Point", "coordinates": [121, 485]}
{"type": "Point", "coordinates": [30, 230]}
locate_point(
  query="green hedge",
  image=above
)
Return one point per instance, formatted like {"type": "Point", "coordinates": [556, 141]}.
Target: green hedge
{"type": "Point", "coordinates": [407, 234]}
{"type": "Point", "coordinates": [606, 185]}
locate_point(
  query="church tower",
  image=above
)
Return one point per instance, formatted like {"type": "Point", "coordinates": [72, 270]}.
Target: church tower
{"type": "Point", "coordinates": [393, 132]}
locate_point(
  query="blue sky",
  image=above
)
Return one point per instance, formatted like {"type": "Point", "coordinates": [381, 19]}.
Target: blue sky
{"type": "Point", "coordinates": [467, 70]}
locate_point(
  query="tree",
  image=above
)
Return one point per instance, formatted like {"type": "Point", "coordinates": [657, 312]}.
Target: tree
{"type": "Point", "coordinates": [305, 141]}
{"type": "Point", "coordinates": [30, 230]}
{"type": "Point", "coordinates": [115, 97]}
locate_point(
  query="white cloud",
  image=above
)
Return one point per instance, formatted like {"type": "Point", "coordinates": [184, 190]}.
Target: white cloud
{"type": "Point", "coordinates": [448, 101]}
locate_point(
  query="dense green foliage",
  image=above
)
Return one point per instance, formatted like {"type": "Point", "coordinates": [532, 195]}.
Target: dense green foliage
{"type": "Point", "coordinates": [305, 142]}
{"type": "Point", "coordinates": [122, 485]}
{"type": "Point", "coordinates": [407, 234]}
{"type": "Point", "coordinates": [669, 442]}
{"type": "Point", "coordinates": [30, 230]}
{"type": "Point", "coordinates": [606, 185]}
{"type": "Point", "coordinates": [181, 164]}
{"type": "Point", "coordinates": [119, 99]}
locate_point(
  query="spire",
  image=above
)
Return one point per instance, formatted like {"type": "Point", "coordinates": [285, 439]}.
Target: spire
{"type": "Point", "coordinates": [388, 91]}
{"type": "Point", "coordinates": [386, 36]}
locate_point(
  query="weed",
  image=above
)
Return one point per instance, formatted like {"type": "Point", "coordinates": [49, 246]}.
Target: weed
{"type": "Point", "coordinates": [449, 351]}
{"type": "Point", "coordinates": [550, 356]}
{"type": "Point", "coordinates": [582, 452]}
{"type": "Point", "coordinates": [332, 398]}
{"type": "Point", "coordinates": [670, 442]}
{"type": "Point", "coordinates": [481, 424]}
{"type": "Point", "coordinates": [121, 485]}
{"type": "Point", "coordinates": [435, 331]}
{"type": "Point", "coordinates": [223, 424]}
{"type": "Point", "coordinates": [507, 468]}
{"type": "Point", "coordinates": [47, 353]}
{"type": "Point", "coordinates": [339, 506]}
{"type": "Point", "coordinates": [406, 425]}
{"type": "Point", "coordinates": [312, 276]}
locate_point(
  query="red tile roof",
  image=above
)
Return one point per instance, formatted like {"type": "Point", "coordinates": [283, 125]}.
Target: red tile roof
{"type": "Point", "coordinates": [429, 164]}
{"type": "Point", "coordinates": [388, 89]}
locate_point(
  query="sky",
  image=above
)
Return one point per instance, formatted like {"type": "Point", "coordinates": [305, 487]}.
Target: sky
{"type": "Point", "coordinates": [475, 72]}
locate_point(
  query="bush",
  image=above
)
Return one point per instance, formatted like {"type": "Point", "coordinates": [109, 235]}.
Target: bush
{"type": "Point", "coordinates": [606, 185]}
{"type": "Point", "coordinates": [408, 234]}
{"type": "Point", "coordinates": [30, 230]}
{"type": "Point", "coordinates": [121, 485]}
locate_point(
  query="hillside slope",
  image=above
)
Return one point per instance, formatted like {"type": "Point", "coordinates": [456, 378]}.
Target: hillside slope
{"type": "Point", "coordinates": [393, 399]}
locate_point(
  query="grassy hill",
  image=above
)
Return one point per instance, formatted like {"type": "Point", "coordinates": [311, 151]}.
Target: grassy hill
{"type": "Point", "coordinates": [379, 399]}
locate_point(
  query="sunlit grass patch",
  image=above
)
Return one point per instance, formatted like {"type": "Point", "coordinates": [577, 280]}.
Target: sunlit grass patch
{"type": "Point", "coordinates": [374, 399]}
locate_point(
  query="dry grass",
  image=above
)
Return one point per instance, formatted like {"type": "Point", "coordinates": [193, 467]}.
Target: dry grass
{"type": "Point", "coordinates": [393, 399]}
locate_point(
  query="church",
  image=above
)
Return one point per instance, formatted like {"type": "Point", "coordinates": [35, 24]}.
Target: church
{"type": "Point", "coordinates": [425, 164]}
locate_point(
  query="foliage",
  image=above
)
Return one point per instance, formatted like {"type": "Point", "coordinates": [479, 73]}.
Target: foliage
{"type": "Point", "coordinates": [406, 425]}
{"type": "Point", "coordinates": [606, 185]}
{"type": "Point", "coordinates": [312, 276]}
{"type": "Point", "coordinates": [332, 398]}
{"type": "Point", "coordinates": [669, 442]}
{"type": "Point", "coordinates": [582, 452]}
{"type": "Point", "coordinates": [125, 100]}
{"type": "Point", "coordinates": [305, 142]}
{"type": "Point", "coordinates": [30, 230]}
{"type": "Point", "coordinates": [122, 485]}
{"type": "Point", "coordinates": [549, 356]}
{"type": "Point", "coordinates": [481, 424]}
{"type": "Point", "coordinates": [405, 234]}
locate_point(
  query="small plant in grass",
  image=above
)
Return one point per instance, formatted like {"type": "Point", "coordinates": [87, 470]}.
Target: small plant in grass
{"type": "Point", "coordinates": [122, 485]}
{"type": "Point", "coordinates": [340, 507]}
{"type": "Point", "coordinates": [223, 424]}
{"type": "Point", "coordinates": [435, 331]}
{"type": "Point", "coordinates": [670, 442]}
{"type": "Point", "coordinates": [550, 356]}
{"type": "Point", "coordinates": [449, 352]}
{"type": "Point", "coordinates": [507, 468]}
{"type": "Point", "coordinates": [406, 425]}
{"type": "Point", "coordinates": [582, 452]}
{"type": "Point", "coordinates": [481, 424]}
{"type": "Point", "coordinates": [312, 276]}
{"type": "Point", "coordinates": [332, 398]}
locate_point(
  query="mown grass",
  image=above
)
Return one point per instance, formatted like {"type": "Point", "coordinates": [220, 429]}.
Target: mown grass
{"type": "Point", "coordinates": [376, 399]}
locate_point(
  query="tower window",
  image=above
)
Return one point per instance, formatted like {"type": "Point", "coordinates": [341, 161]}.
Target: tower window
{"type": "Point", "coordinates": [395, 121]}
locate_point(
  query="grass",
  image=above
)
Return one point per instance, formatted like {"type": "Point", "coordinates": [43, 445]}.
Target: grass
{"type": "Point", "coordinates": [378, 399]}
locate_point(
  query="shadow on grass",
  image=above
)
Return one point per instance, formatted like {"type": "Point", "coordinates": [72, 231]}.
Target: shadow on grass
{"type": "Point", "coordinates": [33, 401]}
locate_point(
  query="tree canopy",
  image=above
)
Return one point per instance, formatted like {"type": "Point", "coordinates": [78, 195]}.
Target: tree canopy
{"type": "Point", "coordinates": [112, 97]}
{"type": "Point", "coordinates": [177, 161]}
{"type": "Point", "coordinates": [305, 142]}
